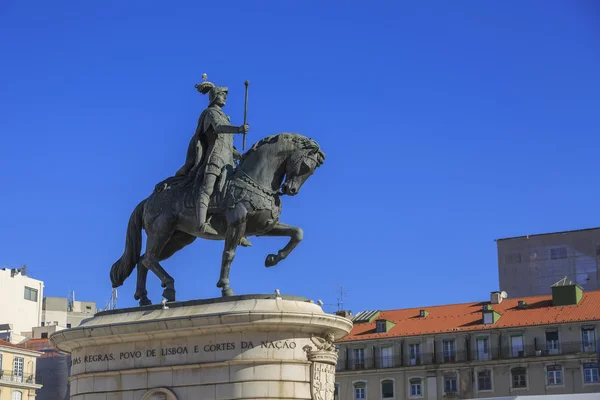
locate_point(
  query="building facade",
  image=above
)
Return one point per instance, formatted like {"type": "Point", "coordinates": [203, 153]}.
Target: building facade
{"type": "Point", "coordinates": [65, 312]}
{"type": "Point", "coordinates": [502, 347]}
{"type": "Point", "coordinates": [528, 265]}
{"type": "Point", "coordinates": [52, 368]}
{"type": "Point", "coordinates": [21, 299]}
{"type": "Point", "coordinates": [18, 379]}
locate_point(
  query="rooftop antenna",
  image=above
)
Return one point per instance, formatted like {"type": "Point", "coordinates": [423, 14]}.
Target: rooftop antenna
{"type": "Point", "coordinates": [340, 303]}
{"type": "Point", "coordinates": [70, 299]}
{"type": "Point", "coordinates": [113, 299]}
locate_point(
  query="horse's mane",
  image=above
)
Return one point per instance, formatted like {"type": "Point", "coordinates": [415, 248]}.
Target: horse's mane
{"type": "Point", "coordinates": [300, 140]}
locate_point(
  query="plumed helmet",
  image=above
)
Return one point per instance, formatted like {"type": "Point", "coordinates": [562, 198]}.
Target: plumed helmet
{"type": "Point", "coordinates": [210, 88]}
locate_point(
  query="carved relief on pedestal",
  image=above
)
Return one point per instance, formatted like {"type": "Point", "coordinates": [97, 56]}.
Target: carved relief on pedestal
{"type": "Point", "coordinates": [322, 369]}
{"type": "Point", "coordinates": [159, 394]}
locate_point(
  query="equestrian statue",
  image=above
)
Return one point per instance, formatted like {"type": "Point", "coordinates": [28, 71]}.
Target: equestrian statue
{"type": "Point", "coordinates": [218, 194]}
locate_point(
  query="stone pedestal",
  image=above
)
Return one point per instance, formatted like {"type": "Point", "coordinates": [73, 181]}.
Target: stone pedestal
{"type": "Point", "coordinates": [243, 347]}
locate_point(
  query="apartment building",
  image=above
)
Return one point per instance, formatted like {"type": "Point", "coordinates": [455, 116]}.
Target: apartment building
{"type": "Point", "coordinates": [65, 312]}
{"type": "Point", "coordinates": [528, 265]}
{"type": "Point", "coordinates": [21, 299]}
{"type": "Point", "coordinates": [502, 347]}
{"type": "Point", "coordinates": [18, 380]}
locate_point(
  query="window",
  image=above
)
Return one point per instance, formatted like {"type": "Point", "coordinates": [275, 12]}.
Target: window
{"type": "Point", "coordinates": [519, 377]}
{"type": "Point", "coordinates": [359, 391]}
{"type": "Point", "coordinates": [558, 253]}
{"type": "Point", "coordinates": [18, 363]}
{"type": "Point", "coordinates": [0, 366]}
{"type": "Point", "coordinates": [68, 326]}
{"type": "Point", "coordinates": [516, 344]}
{"type": "Point", "coordinates": [450, 383]}
{"type": "Point", "coordinates": [554, 375]}
{"type": "Point", "coordinates": [336, 392]}
{"type": "Point", "coordinates": [359, 358]}
{"type": "Point", "coordinates": [590, 372]}
{"type": "Point", "coordinates": [483, 348]}
{"type": "Point", "coordinates": [386, 357]}
{"type": "Point", "coordinates": [43, 323]}
{"type": "Point", "coordinates": [31, 294]}
{"type": "Point", "coordinates": [589, 339]}
{"type": "Point", "coordinates": [17, 395]}
{"type": "Point", "coordinates": [484, 380]}
{"type": "Point", "coordinates": [416, 387]}
{"type": "Point", "coordinates": [552, 342]}
{"type": "Point", "coordinates": [44, 335]}
{"type": "Point", "coordinates": [488, 318]}
{"type": "Point", "coordinates": [88, 308]}
{"type": "Point", "coordinates": [387, 389]}
{"type": "Point", "coordinates": [414, 351]}
{"type": "Point", "coordinates": [380, 326]}
{"type": "Point", "coordinates": [449, 350]}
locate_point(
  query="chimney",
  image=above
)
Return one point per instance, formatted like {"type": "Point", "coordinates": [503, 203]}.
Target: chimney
{"type": "Point", "coordinates": [495, 298]}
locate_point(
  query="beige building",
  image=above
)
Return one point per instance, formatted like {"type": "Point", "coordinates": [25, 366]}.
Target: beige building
{"type": "Point", "coordinates": [528, 265]}
{"type": "Point", "coordinates": [503, 347]}
{"type": "Point", "coordinates": [65, 312]}
{"type": "Point", "coordinates": [18, 379]}
{"type": "Point", "coordinates": [21, 300]}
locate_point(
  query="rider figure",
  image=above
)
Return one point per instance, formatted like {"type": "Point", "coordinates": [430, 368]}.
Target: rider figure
{"type": "Point", "coordinates": [211, 145]}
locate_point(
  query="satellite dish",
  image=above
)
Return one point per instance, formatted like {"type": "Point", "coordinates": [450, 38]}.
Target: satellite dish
{"type": "Point", "coordinates": [504, 295]}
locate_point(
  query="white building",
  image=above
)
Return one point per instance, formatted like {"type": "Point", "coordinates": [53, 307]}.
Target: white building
{"type": "Point", "coordinates": [21, 303]}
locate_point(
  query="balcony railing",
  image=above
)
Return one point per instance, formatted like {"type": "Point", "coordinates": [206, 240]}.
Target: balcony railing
{"type": "Point", "coordinates": [10, 376]}
{"type": "Point", "coordinates": [439, 357]}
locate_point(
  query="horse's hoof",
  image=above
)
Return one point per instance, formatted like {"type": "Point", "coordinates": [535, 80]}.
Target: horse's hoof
{"type": "Point", "coordinates": [245, 242]}
{"type": "Point", "coordinates": [271, 260]}
{"type": "Point", "coordinates": [145, 302]}
{"type": "Point", "coordinates": [227, 292]}
{"type": "Point", "coordinates": [141, 295]}
{"type": "Point", "coordinates": [169, 294]}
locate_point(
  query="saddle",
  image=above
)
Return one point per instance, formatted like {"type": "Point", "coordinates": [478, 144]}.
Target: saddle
{"type": "Point", "coordinates": [190, 186]}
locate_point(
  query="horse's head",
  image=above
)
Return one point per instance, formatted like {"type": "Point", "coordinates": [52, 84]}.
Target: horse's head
{"type": "Point", "coordinates": [301, 164]}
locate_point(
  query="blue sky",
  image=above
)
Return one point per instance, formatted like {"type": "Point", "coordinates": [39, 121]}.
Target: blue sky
{"type": "Point", "coordinates": [446, 125]}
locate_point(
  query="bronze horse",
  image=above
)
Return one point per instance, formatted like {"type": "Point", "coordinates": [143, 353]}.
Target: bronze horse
{"type": "Point", "coordinates": [248, 205]}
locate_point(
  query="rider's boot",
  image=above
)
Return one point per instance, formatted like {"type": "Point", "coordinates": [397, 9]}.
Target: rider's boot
{"type": "Point", "coordinates": [203, 226]}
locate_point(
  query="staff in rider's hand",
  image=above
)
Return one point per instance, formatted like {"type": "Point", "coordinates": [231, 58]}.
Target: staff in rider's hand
{"type": "Point", "coordinates": [245, 113]}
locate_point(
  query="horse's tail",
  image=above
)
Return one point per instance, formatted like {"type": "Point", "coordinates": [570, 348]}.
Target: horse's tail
{"type": "Point", "coordinates": [133, 247]}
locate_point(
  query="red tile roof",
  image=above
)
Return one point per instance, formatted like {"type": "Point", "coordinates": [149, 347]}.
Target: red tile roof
{"type": "Point", "coordinates": [8, 344]}
{"type": "Point", "coordinates": [468, 317]}
{"type": "Point", "coordinates": [44, 346]}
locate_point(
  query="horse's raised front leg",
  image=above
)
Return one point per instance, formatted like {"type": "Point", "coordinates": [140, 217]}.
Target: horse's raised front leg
{"type": "Point", "coordinates": [280, 229]}
{"type": "Point", "coordinates": [235, 233]}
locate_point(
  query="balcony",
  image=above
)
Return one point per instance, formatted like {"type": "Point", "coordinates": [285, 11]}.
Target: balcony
{"type": "Point", "coordinates": [9, 377]}
{"type": "Point", "coordinates": [495, 353]}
